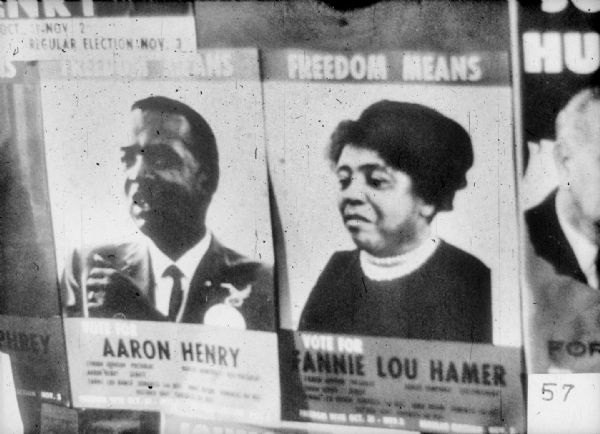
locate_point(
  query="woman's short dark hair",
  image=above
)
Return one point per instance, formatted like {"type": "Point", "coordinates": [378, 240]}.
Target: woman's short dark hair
{"type": "Point", "coordinates": [204, 147]}
{"type": "Point", "coordinates": [435, 151]}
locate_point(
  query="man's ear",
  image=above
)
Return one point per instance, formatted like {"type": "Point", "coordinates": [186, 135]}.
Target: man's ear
{"type": "Point", "coordinates": [562, 160]}
{"type": "Point", "coordinates": [203, 194]}
{"type": "Point", "coordinates": [202, 180]}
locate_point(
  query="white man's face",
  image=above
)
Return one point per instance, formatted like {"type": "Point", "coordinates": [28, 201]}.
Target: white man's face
{"type": "Point", "coordinates": [580, 172]}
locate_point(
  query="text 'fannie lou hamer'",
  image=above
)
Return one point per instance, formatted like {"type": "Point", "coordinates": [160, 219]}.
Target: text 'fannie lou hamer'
{"type": "Point", "coordinates": [345, 357]}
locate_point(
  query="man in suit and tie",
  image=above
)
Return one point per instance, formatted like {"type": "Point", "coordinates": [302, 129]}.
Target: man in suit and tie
{"type": "Point", "coordinates": [180, 272]}
{"type": "Point", "coordinates": [562, 265]}
{"type": "Point", "coordinates": [564, 229]}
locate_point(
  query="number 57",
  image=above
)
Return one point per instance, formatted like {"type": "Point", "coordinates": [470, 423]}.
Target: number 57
{"type": "Point", "coordinates": [548, 390]}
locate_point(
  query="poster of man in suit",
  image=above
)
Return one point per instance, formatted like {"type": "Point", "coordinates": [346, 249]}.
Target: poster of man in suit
{"type": "Point", "coordinates": [159, 193]}
{"type": "Point", "coordinates": [160, 209]}
{"type": "Point", "coordinates": [558, 127]}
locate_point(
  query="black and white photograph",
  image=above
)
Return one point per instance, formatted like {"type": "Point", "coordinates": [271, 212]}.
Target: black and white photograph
{"type": "Point", "coordinates": [158, 189]}
{"type": "Point", "coordinates": [160, 209]}
{"type": "Point", "coordinates": [559, 107]}
{"type": "Point", "coordinates": [395, 194]}
{"type": "Point", "coordinates": [299, 216]}
{"type": "Point", "coordinates": [394, 191]}
{"type": "Point", "coordinates": [397, 166]}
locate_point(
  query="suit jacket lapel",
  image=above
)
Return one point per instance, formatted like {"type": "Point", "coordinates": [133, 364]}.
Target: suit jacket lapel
{"type": "Point", "coordinates": [204, 284]}
{"type": "Point", "coordinates": [550, 241]}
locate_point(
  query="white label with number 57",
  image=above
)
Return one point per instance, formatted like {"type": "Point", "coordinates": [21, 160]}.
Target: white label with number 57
{"type": "Point", "coordinates": [563, 403]}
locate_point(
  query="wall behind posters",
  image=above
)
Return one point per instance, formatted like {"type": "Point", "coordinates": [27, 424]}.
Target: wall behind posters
{"type": "Point", "coordinates": [434, 25]}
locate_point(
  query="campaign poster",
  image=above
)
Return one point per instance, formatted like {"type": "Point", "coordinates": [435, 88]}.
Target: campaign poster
{"type": "Point", "coordinates": [27, 270]}
{"type": "Point", "coordinates": [159, 197]}
{"type": "Point", "coordinates": [30, 330]}
{"type": "Point", "coordinates": [557, 117]}
{"type": "Point", "coordinates": [393, 178]}
{"type": "Point", "coordinates": [50, 29]}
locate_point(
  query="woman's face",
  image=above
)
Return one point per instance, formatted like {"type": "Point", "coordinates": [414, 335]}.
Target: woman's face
{"type": "Point", "coordinates": [378, 204]}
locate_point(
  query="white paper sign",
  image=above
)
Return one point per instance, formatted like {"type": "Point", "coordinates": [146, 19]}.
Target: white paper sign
{"type": "Point", "coordinates": [561, 403]}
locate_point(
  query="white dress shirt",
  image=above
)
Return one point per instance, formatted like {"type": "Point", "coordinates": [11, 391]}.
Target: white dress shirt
{"type": "Point", "coordinates": [187, 264]}
{"type": "Point", "coordinates": [585, 250]}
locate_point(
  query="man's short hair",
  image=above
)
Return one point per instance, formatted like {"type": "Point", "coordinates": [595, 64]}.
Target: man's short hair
{"type": "Point", "coordinates": [434, 150]}
{"type": "Point", "coordinates": [204, 146]}
{"type": "Point", "coordinates": [573, 123]}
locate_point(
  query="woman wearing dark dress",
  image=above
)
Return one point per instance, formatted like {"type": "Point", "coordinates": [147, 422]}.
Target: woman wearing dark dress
{"type": "Point", "coordinates": [398, 165]}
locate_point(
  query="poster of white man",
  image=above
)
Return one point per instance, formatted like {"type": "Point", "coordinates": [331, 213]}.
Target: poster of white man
{"type": "Point", "coordinates": [158, 188]}
{"type": "Point", "coordinates": [393, 178]}
{"type": "Point", "coordinates": [559, 127]}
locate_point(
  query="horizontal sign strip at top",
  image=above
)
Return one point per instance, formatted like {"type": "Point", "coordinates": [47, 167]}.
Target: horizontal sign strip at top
{"type": "Point", "coordinates": [219, 64]}
{"type": "Point", "coordinates": [407, 66]}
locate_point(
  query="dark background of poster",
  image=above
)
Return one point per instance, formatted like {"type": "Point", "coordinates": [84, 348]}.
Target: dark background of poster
{"type": "Point", "coordinates": [543, 95]}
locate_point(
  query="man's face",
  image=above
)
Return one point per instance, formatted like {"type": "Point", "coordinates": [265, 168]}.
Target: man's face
{"type": "Point", "coordinates": [581, 175]}
{"type": "Point", "coordinates": [378, 204]}
{"type": "Point", "coordinates": [164, 181]}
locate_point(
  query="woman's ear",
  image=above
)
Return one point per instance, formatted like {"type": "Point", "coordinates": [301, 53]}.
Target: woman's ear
{"type": "Point", "coordinates": [427, 210]}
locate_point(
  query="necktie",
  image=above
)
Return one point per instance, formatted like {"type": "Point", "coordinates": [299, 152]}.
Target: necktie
{"type": "Point", "coordinates": [176, 291]}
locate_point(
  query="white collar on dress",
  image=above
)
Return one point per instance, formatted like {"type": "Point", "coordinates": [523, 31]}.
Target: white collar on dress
{"type": "Point", "coordinates": [394, 267]}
